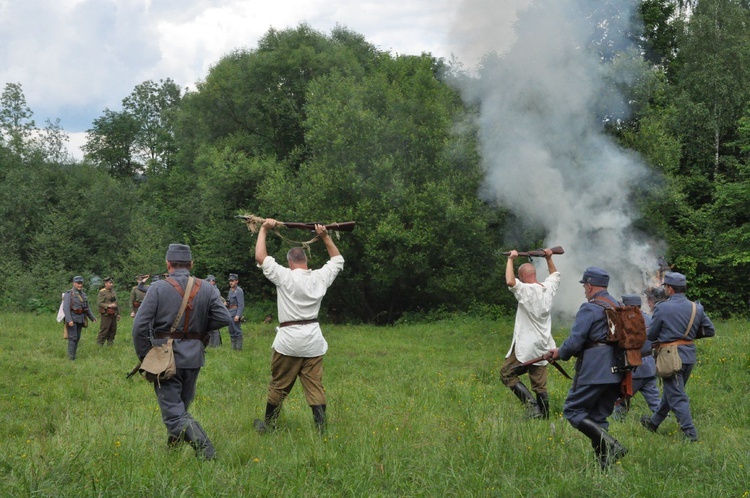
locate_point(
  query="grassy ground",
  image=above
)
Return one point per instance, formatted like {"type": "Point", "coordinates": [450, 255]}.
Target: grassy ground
{"type": "Point", "coordinates": [414, 410]}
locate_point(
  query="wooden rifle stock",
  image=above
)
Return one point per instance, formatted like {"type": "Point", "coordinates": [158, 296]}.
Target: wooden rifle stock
{"type": "Point", "coordinates": [539, 253]}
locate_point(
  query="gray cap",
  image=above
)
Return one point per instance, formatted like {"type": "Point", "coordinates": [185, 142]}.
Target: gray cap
{"type": "Point", "coordinates": [631, 300]}
{"type": "Point", "coordinates": [179, 252]}
{"type": "Point", "coordinates": [675, 279]}
{"type": "Point", "coordinates": [210, 278]}
{"type": "Point", "coordinates": [78, 279]}
{"type": "Point", "coordinates": [233, 276]}
{"type": "Point", "coordinates": [595, 276]}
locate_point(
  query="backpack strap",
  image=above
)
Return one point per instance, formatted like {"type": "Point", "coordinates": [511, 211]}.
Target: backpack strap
{"type": "Point", "coordinates": [605, 302]}
{"type": "Point", "coordinates": [187, 302]}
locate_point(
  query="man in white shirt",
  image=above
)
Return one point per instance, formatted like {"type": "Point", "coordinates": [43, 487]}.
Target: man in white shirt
{"type": "Point", "coordinates": [532, 332]}
{"type": "Point", "coordinates": [299, 345]}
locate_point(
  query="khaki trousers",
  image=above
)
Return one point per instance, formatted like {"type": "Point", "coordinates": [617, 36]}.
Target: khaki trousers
{"type": "Point", "coordinates": [284, 372]}
{"type": "Point", "coordinates": [537, 375]}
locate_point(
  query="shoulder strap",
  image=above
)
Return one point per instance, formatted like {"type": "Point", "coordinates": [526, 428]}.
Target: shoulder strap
{"type": "Point", "coordinates": [604, 302]}
{"type": "Point", "coordinates": [185, 297]}
{"type": "Point", "coordinates": [690, 325]}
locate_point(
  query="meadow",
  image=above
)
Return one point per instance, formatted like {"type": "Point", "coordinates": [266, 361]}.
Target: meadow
{"type": "Point", "coordinates": [413, 410]}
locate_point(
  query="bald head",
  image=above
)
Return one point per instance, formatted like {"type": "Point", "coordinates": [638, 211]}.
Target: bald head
{"type": "Point", "coordinates": [527, 273]}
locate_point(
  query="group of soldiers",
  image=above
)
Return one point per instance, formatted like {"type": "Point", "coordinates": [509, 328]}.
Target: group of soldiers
{"type": "Point", "coordinates": [77, 311]}
{"type": "Point", "coordinates": [598, 384]}
{"type": "Point", "coordinates": [185, 314]}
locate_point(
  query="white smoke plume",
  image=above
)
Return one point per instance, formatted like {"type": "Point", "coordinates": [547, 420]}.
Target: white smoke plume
{"type": "Point", "coordinates": [543, 100]}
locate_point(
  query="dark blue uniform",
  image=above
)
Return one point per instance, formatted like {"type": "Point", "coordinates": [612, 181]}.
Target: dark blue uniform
{"type": "Point", "coordinates": [669, 324]}
{"type": "Point", "coordinates": [595, 387]}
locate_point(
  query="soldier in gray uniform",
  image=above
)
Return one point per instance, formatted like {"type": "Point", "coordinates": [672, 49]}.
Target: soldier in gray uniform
{"type": "Point", "coordinates": [644, 376]}
{"type": "Point", "coordinates": [152, 325]}
{"type": "Point", "coordinates": [236, 305]}
{"type": "Point", "coordinates": [76, 309]}
{"type": "Point", "coordinates": [669, 326]}
{"type": "Point", "coordinates": [596, 387]}
{"type": "Point", "coordinates": [214, 336]}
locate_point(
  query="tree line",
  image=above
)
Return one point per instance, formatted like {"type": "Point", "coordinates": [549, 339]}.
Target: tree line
{"type": "Point", "coordinates": [310, 126]}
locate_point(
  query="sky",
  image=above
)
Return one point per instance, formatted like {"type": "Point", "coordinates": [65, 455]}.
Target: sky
{"type": "Point", "coordinates": [76, 58]}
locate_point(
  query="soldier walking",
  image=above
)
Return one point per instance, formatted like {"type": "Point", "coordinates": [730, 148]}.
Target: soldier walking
{"type": "Point", "coordinates": [236, 306]}
{"type": "Point", "coordinates": [204, 312]}
{"type": "Point", "coordinates": [77, 311]}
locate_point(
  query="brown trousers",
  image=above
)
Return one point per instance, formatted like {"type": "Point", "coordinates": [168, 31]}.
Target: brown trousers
{"type": "Point", "coordinates": [537, 374]}
{"type": "Point", "coordinates": [284, 372]}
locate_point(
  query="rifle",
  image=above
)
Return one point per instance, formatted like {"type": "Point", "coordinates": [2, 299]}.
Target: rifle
{"type": "Point", "coordinates": [253, 222]}
{"type": "Point", "coordinates": [540, 358]}
{"type": "Point", "coordinates": [539, 253]}
{"type": "Point", "coordinates": [134, 371]}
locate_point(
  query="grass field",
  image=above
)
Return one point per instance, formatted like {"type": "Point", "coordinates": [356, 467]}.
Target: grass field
{"type": "Point", "coordinates": [414, 410]}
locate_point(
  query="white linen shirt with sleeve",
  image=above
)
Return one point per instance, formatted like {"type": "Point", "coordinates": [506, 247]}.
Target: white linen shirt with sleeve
{"type": "Point", "coordinates": [532, 332]}
{"type": "Point", "coordinates": [299, 294]}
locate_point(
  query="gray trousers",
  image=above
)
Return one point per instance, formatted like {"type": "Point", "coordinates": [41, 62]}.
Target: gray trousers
{"type": "Point", "coordinates": [595, 402]}
{"type": "Point", "coordinates": [74, 335]}
{"type": "Point", "coordinates": [174, 397]}
{"type": "Point", "coordinates": [676, 399]}
{"type": "Point", "coordinates": [235, 328]}
{"type": "Point", "coordinates": [650, 391]}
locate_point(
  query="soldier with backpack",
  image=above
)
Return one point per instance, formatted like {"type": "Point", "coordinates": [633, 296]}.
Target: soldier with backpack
{"type": "Point", "coordinates": [596, 385]}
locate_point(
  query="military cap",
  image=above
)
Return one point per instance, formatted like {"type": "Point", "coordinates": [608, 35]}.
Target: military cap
{"type": "Point", "coordinates": [210, 278]}
{"type": "Point", "coordinates": [78, 279]}
{"type": "Point", "coordinates": [675, 279]}
{"type": "Point", "coordinates": [595, 276]}
{"type": "Point", "coordinates": [631, 300]}
{"type": "Point", "coordinates": [233, 276]}
{"type": "Point", "coordinates": [108, 279]}
{"type": "Point", "coordinates": [155, 278]}
{"type": "Point", "coordinates": [179, 252]}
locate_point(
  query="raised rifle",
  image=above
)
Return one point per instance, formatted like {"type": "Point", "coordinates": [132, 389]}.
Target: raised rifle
{"type": "Point", "coordinates": [541, 358]}
{"type": "Point", "coordinates": [254, 222]}
{"type": "Point", "coordinates": [539, 253]}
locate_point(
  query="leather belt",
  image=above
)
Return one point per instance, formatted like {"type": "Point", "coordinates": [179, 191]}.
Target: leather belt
{"type": "Point", "coordinates": [232, 307]}
{"type": "Point", "coordinates": [179, 335]}
{"type": "Point", "coordinates": [298, 322]}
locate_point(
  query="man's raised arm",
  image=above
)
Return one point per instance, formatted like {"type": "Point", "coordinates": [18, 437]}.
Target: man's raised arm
{"type": "Point", "coordinates": [327, 240]}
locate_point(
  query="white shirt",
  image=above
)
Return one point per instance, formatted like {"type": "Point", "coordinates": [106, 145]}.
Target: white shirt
{"type": "Point", "coordinates": [532, 332]}
{"type": "Point", "coordinates": [299, 294]}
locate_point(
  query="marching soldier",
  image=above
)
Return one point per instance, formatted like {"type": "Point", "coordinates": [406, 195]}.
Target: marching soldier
{"type": "Point", "coordinates": [236, 306]}
{"type": "Point", "coordinates": [76, 309]}
{"type": "Point", "coordinates": [106, 301]}
{"type": "Point", "coordinates": [596, 387]}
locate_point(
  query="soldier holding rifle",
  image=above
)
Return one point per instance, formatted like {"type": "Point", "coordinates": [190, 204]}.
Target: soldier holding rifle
{"type": "Point", "coordinates": [596, 386]}
{"type": "Point", "coordinates": [77, 311]}
{"type": "Point", "coordinates": [532, 332]}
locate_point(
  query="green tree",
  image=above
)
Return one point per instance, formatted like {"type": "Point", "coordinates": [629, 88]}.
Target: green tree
{"type": "Point", "coordinates": [16, 123]}
{"type": "Point", "coordinates": [111, 143]}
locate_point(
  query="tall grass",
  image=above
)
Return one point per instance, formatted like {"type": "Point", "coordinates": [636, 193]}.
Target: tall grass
{"type": "Point", "coordinates": [414, 410]}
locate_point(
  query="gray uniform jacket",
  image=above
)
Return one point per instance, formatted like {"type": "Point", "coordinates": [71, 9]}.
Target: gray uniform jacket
{"type": "Point", "coordinates": [236, 297]}
{"type": "Point", "coordinates": [76, 306]}
{"type": "Point", "coordinates": [159, 309]}
{"type": "Point", "coordinates": [586, 340]}
{"type": "Point", "coordinates": [670, 320]}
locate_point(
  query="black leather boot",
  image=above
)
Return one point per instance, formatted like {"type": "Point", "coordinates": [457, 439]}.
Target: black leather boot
{"type": "Point", "coordinates": [269, 422]}
{"type": "Point", "coordinates": [527, 399]}
{"type": "Point", "coordinates": [319, 416]}
{"type": "Point", "coordinates": [542, 401]}
{"type": "Point", "coordinates": [196, 436]}
{"type": "Point", "coordinates": [608, 449]}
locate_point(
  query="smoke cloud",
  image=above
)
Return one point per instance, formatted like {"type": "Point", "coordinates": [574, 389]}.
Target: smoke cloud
{"type": "Point", "coordinates": [544, 98]}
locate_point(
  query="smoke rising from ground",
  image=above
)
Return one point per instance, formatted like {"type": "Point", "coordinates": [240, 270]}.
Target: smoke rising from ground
{"type": "Point", "coordinates": [542, 103]}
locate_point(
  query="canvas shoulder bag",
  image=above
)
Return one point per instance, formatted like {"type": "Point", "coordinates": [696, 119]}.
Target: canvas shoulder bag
{"type": "Point", "coordinates": [159, 362]}
{"type": "Point", "coordinates": [668, 361]}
